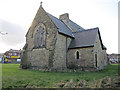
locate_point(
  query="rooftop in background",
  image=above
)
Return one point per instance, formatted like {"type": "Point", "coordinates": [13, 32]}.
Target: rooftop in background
{"type": "Point", "coordinates": [1, 54]}
{"type": "Point", "coordinates": [12, 50]}
{"type": "Point", "coordinates": [113, 54]}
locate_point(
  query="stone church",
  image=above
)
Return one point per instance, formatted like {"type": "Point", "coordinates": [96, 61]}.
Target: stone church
{"type": "Point", "coordinates": [61, 44]}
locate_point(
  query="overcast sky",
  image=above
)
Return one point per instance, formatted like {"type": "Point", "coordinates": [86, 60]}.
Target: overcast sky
{"type": "Point", "coordinates": [16, 17]}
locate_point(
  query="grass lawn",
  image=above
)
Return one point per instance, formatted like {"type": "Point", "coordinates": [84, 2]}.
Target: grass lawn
{"type": "Point", "coordinates": [13, 77]}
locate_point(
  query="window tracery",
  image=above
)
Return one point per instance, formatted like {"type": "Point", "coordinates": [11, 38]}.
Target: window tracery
{"type": "Point", "coordinates": [40, 37]}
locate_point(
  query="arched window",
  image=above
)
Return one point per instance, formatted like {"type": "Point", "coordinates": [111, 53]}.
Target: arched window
{"type": "Point", "coordinates": [40, 38]}
{"type": "Point", "coordinates": [35, 40]}
{"type": "Point", "coordinates": [44, 40]}
{"type": "Point", "coordinates": [43, 37]}
{"type": "Point", "coordinates": [40, 30]}
{"type": "Point", "coordinates": [77, 55]}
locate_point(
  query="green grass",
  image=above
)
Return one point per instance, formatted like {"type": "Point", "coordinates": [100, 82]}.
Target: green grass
{"type": "Point", "coordinates": [12, 76]}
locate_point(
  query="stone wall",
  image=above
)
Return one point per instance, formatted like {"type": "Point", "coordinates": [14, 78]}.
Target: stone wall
{"type": "Point", "coordinates": [53, 56]}
{"type": "Point", "coordinates": [60, 55]}
{"type": "Point", "coordinates": [40, 57]}
{"type": "Point", "coordinates": [99, 52]}
{"type": "Point", "coordinates": [68, 41]}
{"type": "Point", "coordinates": [86, 59]}
{"type": "Point", "coordinates": [105, 58]}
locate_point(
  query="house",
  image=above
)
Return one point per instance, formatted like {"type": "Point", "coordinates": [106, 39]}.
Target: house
{"type": "Point", "coordinates": [61, 44]}
{"type": "Point", "coordinates": [1, 56]}
{"type": "Point", "coordinates": [12, 56]}
{"type": "Point", "coordinates": [114, 58]}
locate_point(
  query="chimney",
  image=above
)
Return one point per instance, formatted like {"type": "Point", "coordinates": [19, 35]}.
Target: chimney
{"type": "Point", "coordinates": [65, 18]}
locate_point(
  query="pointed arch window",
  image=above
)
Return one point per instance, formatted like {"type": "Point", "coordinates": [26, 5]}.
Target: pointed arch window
{"type": "Point", "coordinates": [35, 41]}
{"type": "Point", "coordinates": [40, 30]}
{"type": "Point", "coordinates": [44, 36]}
{"type": "Point", "coordinates": [40, 38]}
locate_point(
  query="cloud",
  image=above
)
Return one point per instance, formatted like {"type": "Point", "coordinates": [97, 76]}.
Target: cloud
{"type": "Point", "coordinates": [16, 34]}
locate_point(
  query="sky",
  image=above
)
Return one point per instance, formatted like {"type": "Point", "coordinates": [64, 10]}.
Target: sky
{"type": "Point", "coordinates": [16, 17]}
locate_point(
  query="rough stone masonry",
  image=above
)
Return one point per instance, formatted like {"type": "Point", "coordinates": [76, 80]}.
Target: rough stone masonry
{"type": "Point", "coordinates": [61, 44]}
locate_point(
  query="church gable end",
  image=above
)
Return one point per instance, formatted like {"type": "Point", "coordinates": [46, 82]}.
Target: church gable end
{"type": "Point", "coordinates": [40, 41]}
{"type": "Point", "coordinates": [41, 29]}
{"type": "Point", "coordinates": [98, 53]}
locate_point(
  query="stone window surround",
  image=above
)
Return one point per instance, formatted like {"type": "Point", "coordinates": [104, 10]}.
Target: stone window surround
{"type": "Point", "coordinates": [36, 30]}
{"type": "Point", "coordinates": [76, 55]}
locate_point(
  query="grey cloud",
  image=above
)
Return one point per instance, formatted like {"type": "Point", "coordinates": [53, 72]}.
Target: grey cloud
{"type": "Point", "coordinates": [16, 34]}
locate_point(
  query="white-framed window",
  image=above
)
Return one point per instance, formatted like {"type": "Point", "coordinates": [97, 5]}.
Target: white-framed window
{"type": "Point", "coordinates": [15, 54]}
{"type": "Point", "coordinates": [10, 54]}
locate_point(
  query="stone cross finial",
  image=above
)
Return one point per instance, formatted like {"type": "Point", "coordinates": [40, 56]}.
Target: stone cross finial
{"type": "Point", "coordinates": [41, 3]}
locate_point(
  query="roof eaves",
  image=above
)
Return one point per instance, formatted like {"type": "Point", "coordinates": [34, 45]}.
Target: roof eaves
{"type": "Point", "coordinates": [104, 48]}
{"type": "Point", "coordinates": [93, 28]}
{"type": "Point", "coordinates": [87, 46]}
{"type": "Point", "coordinates": [66, 34]}
{"type": "Point", "coordinates": [87, 30]}
{"type": "Point", "coordinates": [100, 39]}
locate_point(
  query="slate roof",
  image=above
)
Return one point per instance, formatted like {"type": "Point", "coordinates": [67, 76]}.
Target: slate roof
{"type": "Point", "coordinates": [84, 38]}
{"type": "Point", "coordinates": [81, 38]}
{"type": "Point", "coordinates": [76, 26]}
{"type": "Point", "coordinates": [62, 26]}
